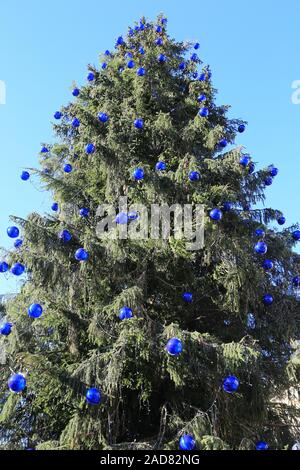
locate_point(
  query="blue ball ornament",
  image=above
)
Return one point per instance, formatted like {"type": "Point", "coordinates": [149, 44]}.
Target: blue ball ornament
{"type": "Point", "coordinates": [142, 50]}
{"type": "Point", "coordinates": [84, 212]}
{"type": "Point", "coordinates": [91, 77]}
{"type": "Point", "coordinates": [138, 174]}
{"type": "Point", "coordinates": [89, 149]}
{"type": "Point", "coordinates": [202, 77]}
{"type": "Point", "coordinates": [203, 112]}
{"type": "Point", "coordinates": [223, 143]}
{"type": "Point", "coordinates": [54, 207]}
{"type": "Point", "coordinates": [241, 128]}
{"type": "Point", "coordinates": [268, 264]}
{"type": "Point", "coordinates": [187, 442]}
{"type": "Point", "coordinates": [17, 269]}
{"type": "Point", "coordinates": [76, 92]}
{"type": "Point", "coordinates": [251, 168]}
{"type": "Point", "coordinates": [68, 168]}
{"type": "Point", "coordinates": [216, 214]}
{"type": "Point", "coordinates": [201, 98]}
{"type": "Point", "coordinates": [160, 166]}
{"type": "Point", "coordinates": [130, 64]}
{"type": "Point", "coordinates": [5, 329]}
{"type": "Point", "coordinates": [227, 206]}
{"type": "Point", "coordinates": [194, 176]}
{"type": "Point", "coordinates": [230, 384]}
{"type": "Point", "coordinates": [17, 383]}
{"type": "Point", "coordinates": [103, 117]}
{"type": "Point", "coordinates": [296, 235]}
{"type": "Point", "coordinates": [244, 160]}
{"type": "Point", "coordinates": [268, 181]}
{"type": "Point", "coordinates": [93, 396]}
{"type": "Point", "coordinates": [75, 123]}
{"type": "Point", "coordinates": [125, 313]}
{"type": "Point", "coordinates": [44, 150]}
{"type": "Point", "coordinates": [65, 236]}
{"type": "Point", "coordinates": [187, 297]}
{"type": "Point", "coordinates": [174, 347]}
{"type": "Point", "coordinates": [158, 29]}
{"type": "Point", "coordinates": [141, 72]}
{"type": "Point", "coordinates": [281, 220]}
{"type": "Point", "coordinates": [57, 115]}
{"type": "Point", "coordinates": [120, 41]}
{"type": "Point", "coordinates": [81, 255]}
{"type": "Point", "coordinates": [197, 45]}
{"type": "Point", "coordinates": [35, 310]}
{"type": "Point", "coordinates": [194, 57]}
{"type": "Point", "coordinates": [268, 299]}
{"type": "Point", "coordinates": [128, 55]}
{"type": "Point", "coordinates": [133, 215]}
{"type": "Point", "coordinates": [182, 66]}
{"type": "Point", "coordinates": [158, 42]}
{"type": "Point", "coordinates": [273, 171]}
{"type": "Point", "coordinates": [4, 267]}
{"type": "Point", "coordinates": [13, 232]}
{"type": "Point", "coordinates": [138, 123]}
{"type": "Point", "coordinates": [261, 248]}
{"type": "Point", "coordinates": [104, 65]}
{"type": "Point", "coordinates": [259, 232]}
{"type": "Point", "coordinates": [18, 243]}
{"type": "Point", "coordinates": [162, 58]}
{"type": "Point", "coordinates": [261, 445]}
{"type": "Point", "coordinates": [25, 175]}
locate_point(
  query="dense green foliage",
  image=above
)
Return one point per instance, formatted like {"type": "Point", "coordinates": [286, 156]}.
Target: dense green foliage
{"type": "Point", "coordinates": [149, 397]}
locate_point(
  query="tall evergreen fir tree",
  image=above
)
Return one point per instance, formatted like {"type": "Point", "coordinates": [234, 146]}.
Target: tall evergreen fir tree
{"type": "Point", "coordinates": [144, 343]}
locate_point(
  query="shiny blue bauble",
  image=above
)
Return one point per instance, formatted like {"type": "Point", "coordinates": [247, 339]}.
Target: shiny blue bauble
{"type": "Point", "coordinates": [35, 310]}
{"type": "Point", "coordinates": [84, 212]}
{"type": "Point", "coordinates": [174, 347]}
{"type": "Point", "coordinates": [251, 168]}
{"type": "Point", "coordinates": [103, 117]}
{"type": "Point", "coordinates": [244, 160]}
{"type": "Point", "coordinates": [187, 297]}
{"type": "Point", "coordinates": [44, 150]}
{"type": "Point", "coordinates": [5, 329]}
{"type": "Point", "coordinates": [130, 64]}
{"type": "Point", "coordinates": [203, 112]}
{"type": "Point", "coordinates": [230, 384]}
{"type": "Point", "coordinates": [141, 72]}
{"type": "Point", "coordinates": [273, 171]}
{"type": "Point", "coordinates": [54, 207]}
{"type": "Point", "coordinates": [125, 313]}
{"type": "Point", "coordinates": [223, 143]}
{"type": "Point", "coordinates": [259, 232]}
{"type": "Point", "coordinates": [201, 98]}
{"type": "Point", "coordinates": [227, 206]}
{"type": "Point", "coordinates": [65, 236]}
{"type": "Point", "coordinates": [281, 220]}
{"type": "Point", "coordinates": [268, 181]}
{"type": "Point", "coordinates": [268, 264]}
{"type": "Point", "coordinates": [68, 168]}
{"type": "Point", "coordinates": [76, 92]}
{"type": "Point", "coordinates": [296, 281]}
{"type": "Point", "coordinates": [187, 442]}
{"type": "Point", "coordinates": [13, 232]}
{"type": "Point", "coordinates": [17, 383]}
{"type": "Point", "coordinates": [162, 58]}
{"type": "Point", "coordinates": [81, 254]}
{"type": "Point", "coordinates": [75, 123]}
{"type": "Point", "coordinates": [104, 65]}
{"type": "Point", "coordinates": [261, 248]}
{"type": "Point", "coordinates": [216, 214]}
{"type": "Point", "coordinates": [194, 57]}
{"type": "Point", "coordinates": [194, 176]}
{"type": "Point", "coordinates": [138, 123]}
{"type": "Point", "coordinates": [241, 128]}
{"type": "Point", "coordinates": [120, 41]}
{"type": "Point", "coordinates": [25, 175]}
{"type": "Point", "coordinates": [128, 55]}
{"type": "Point", "coordinates": [133, 215]}
{"type": "Point", "coordinates": [182, 66]}
{"type": "Point", "coordinates": [202, 77]}
{"type": "Point", "coordinates": [138, 174]}
{"type": "Point", "coordinates": [122, 218]}
{"type": "Point", "coordinates": [17, 269]}
{"type": "Point", "coordinates": [18, 243]}
{"type": "Point", "coordinates": [89, 149]}
{"type": "Point", "coordinates": [142, 50]}
{"type": "Point", "coordinates": [57, 115]}
{"type": "Point", "coordinates": [4, 267]}
{"type": "Point", "coordinates": [251, 323]}
{"type": "Point", "coordinates": [164, 21]}
{"type": "Point", "coordinates": [261, 445]}
{"type": "Point", "coordinates": [197, 45]}
{"type": "Point", "coordinates": [160, 166]}
{"type": "Point", "coordinates": [268, 299]}
{"type": "Point", "coordinates": [93, 396]}
{"type": "Point", "coordinates": [91, 77]}
{"type": "Point", "coordinates": [159, 42]}
{"type": "Point", "coordinates": [296, 235]}
{"type": "Point", "coordinates": [158, 29]}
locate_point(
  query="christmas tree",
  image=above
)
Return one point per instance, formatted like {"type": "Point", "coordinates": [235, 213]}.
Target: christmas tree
{"type": "Point", "coordinates": [119, 342]}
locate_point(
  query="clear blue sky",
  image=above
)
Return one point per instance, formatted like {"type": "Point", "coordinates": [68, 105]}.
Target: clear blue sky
{"type": "Point", "coordinates": [252, 47]}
